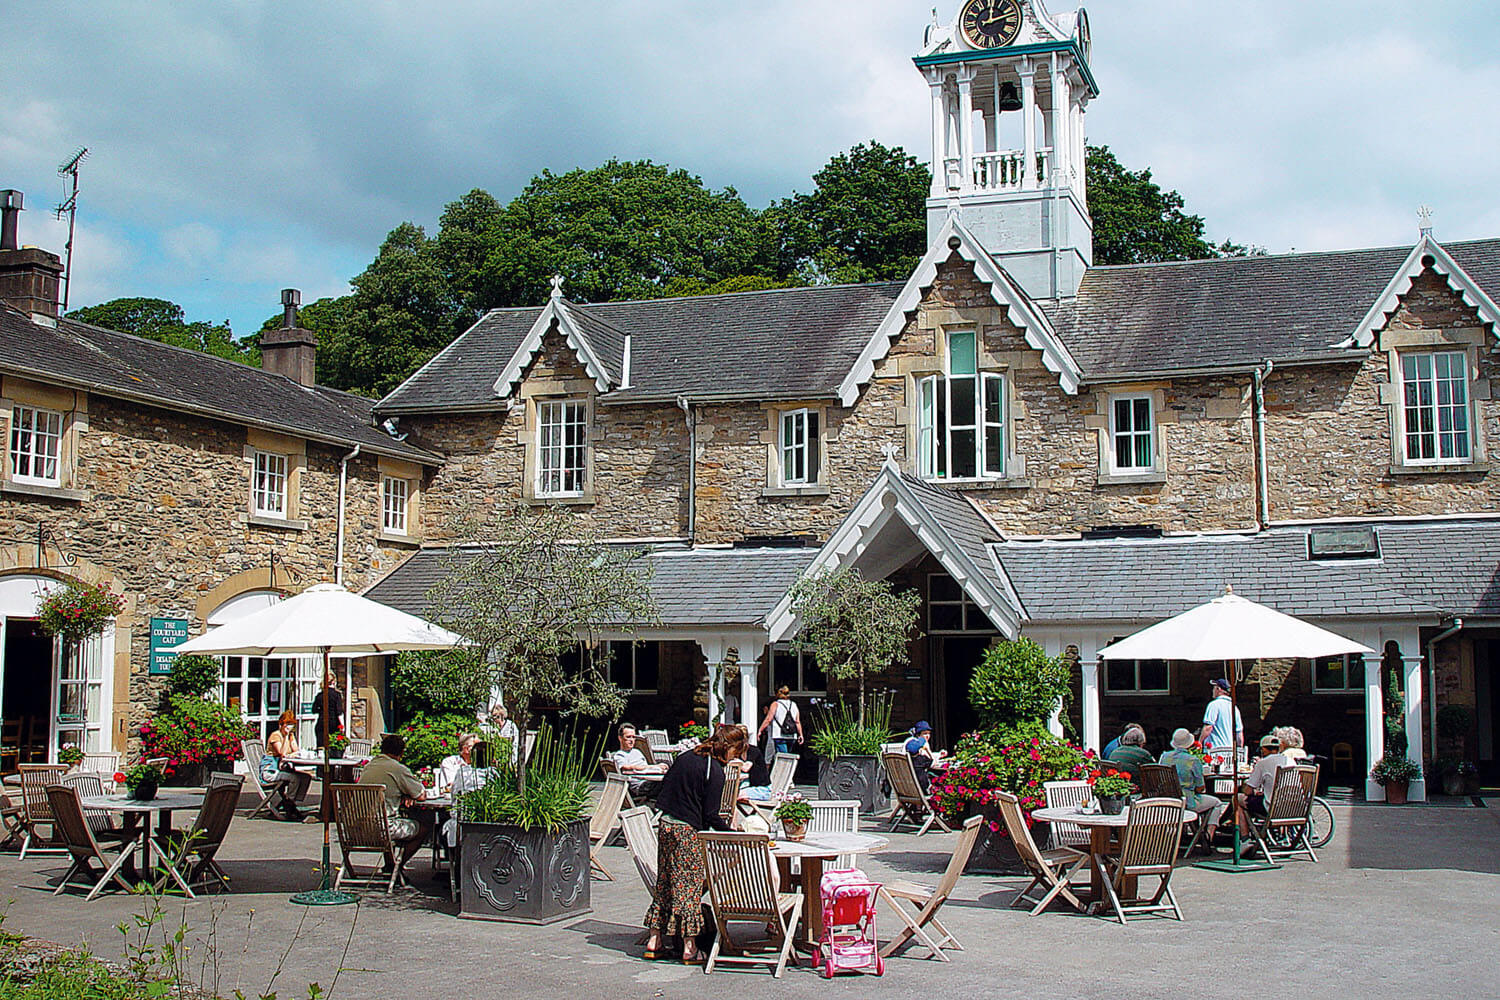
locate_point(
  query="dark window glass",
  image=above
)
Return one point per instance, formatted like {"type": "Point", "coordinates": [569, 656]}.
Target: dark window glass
{"type": "Point", "coordinates": [1153, 675]}
{"type": "Point", "coordinates": [1121, 675]}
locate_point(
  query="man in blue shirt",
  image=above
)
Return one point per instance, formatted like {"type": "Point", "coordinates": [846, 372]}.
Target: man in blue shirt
{"type": "Point", "coordinates": [919, 748]}
{"type": "Point", "coordinates": [1216, 736]}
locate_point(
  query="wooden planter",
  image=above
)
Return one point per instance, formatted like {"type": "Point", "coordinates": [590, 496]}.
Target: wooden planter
{"type": "Point", "coordinates": [853, 778]}
{"type": "Point", "coordinates": [1395, 792]}
{"type": "Point", "coordinates": [994, 852]}
{"type": "Point", "coordinates": [527, 876]}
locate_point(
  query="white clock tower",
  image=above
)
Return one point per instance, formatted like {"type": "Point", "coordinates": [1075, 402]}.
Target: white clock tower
{"type": "Point", "coordinates": [1010, 83]}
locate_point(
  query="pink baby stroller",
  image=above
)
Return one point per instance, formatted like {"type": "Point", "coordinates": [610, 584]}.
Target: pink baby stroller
{"type": "Point", "coordinates": [848, 899]}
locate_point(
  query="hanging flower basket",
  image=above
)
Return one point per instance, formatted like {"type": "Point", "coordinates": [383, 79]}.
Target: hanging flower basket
{"type": "Point", "coordinates": [78, 611]}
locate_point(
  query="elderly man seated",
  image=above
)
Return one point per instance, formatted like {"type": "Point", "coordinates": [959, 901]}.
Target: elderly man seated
{"type": "Point", "coordinates": [1261, 780]}
{"type": "Point", "coordinates": [631, 763]}
{"type": "Point", "coordinates": [402, 787]}
{"type": "Point", "coordinates": [1131, 753]}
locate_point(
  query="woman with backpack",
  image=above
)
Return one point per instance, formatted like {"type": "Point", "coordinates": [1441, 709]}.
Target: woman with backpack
{"type": "Point", "coordinates": [784, 720]}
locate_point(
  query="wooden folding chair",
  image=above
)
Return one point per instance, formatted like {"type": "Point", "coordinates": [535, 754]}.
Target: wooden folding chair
{"type": "Point", "coordinates": [640, 838]}
{"type": "Point", "coordinates": [37, 809]}
{"type": "Point", "coordinates": [1282, 832]}
{"type": "Point", "coordinates": [10, 744]}
{"type": "Point", "coordinates": [733, 776]}
{"type": "Point", "coordinates": [616, 790]}
{"type": "Point", "coordinates": [654, 737]}
{"type": "Point", "coordinates": [359, 748]}
{"type": "Point", "coordinates": [1149, 846]}
{"type": "Point", "coordinates": [928, 900]}
{"type": "Point", "coordinates": [911, 805]}
{"type": "Point", "coordinates": [1065, 795]}
{"type": "Point", "coordinates": [742, 889]}
{"type": "Point", "coordinates": [198, 846]}
{"type": "Point", "coordinates": [645, 749]}
{"type": "Point", "coordinates": [835, 816]}
{"type": "Point", "coordinates": [254, 750]}
{"type": "Point", "coordinates": [12, 821]}
{"type": "Point", "coordinates": [78, 840]}
{"type": "Point", "coordinates": [783, 768]}
{"type": "Point", "coordinates": [1161, 781]}
{"type": "Point", "coordinates": [1051, 870]}
{"type": "Point", "coordinates": [365, 829]}
{"type": "Point", "coordinates": [102, 823]}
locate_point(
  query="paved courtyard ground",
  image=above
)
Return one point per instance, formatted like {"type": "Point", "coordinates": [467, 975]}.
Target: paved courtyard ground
{"type": "Point", "coordinates": [1403, 904]}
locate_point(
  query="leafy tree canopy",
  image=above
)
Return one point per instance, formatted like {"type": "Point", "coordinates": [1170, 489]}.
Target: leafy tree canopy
{"type": "Point", "coordinates": [159, 319]}
{"type": "Point", "coordinates": [1136, 222]}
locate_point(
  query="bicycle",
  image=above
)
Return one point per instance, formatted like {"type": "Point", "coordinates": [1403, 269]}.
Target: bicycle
{"type": "Point", "coordinates": [1320, 826]}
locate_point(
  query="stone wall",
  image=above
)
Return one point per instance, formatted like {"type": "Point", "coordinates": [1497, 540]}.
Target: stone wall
{"type": "Point", "coordinates": [163, 517]}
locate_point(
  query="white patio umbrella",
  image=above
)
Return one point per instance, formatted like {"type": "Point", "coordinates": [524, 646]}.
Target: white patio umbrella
{"type": "Point", "coordinates": [1229, 629]}
{"type": "Point", "coordinates": [324, 619]}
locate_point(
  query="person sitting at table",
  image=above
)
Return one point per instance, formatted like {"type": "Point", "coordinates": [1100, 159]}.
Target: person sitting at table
{"type": "Point", "coordinates": [631, 763]}
{"type": "Point", "coordinates": [1261, 779]}
{"type": "Point", "coordinates": [448, 767]}
{"type": "Point", "coordinates": [756, 786]}
{"type": "Point", "coordinates": [1210, 808]}
{"type": "Point", "coordinates": [919, 749]}
{"type": "Point", "coordinates": [1131, 753]}
{"type": "Point", "coordinates": [689, 802]}
{"type": "Point", "coordinates": [1291, 744]}
{"type": "Point", "coordinates": [289, 784]}
{"type": "Point", "coordinates": [402, 787]}
{"type": "Point", "coordinates": [1114, 744]}
{"type": "Point", "coordinates": [505, 729]}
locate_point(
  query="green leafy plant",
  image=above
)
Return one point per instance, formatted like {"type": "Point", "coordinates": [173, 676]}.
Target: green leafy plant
{"type": "Point", "coordinates": [77, 610]}
{"type": "Point", "coordinates": [143, 774]}
{"type": "Point", "coordinates": [437, 682]}
{"type": "Point", "coordinates": [557, 790]}
{"type": "Point", "coordinates": [429, 739]}
{"type": "Point", "coordinates": [193, 674]}
{"type": "Point", "coordinates": [1109, 783]}
{"type": "Point", "coordinates": [1017, 682]}
{"type": "Point", "coordinates": [793, 808]}
{"type": "Point", "coordinates": [841, 732]}
{"type": "Point", "coordinates": [853, 626]}
{"type": "Point", "coordinates": [692, 731]}
{"type": "Point", "coordinates": [69, 755]}
{"type": "Point", "coordinates": [530, 586]}
{"type": "Point", "coordinates": [984, 764]}
{"type": "Point", "coordinates": [191, 730]}
{"type": "Point", "coordinates": [1453, 722]}
{"type": "Point", "coordinates": [1395, 767]}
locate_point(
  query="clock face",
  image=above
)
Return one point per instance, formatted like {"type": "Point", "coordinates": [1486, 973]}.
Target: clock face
{"type": "Point", "coordinates": [988, 24]}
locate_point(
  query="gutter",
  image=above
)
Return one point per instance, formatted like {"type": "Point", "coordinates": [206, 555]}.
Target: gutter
{"type": "Point", "coordinates": [1262, 477]}
{"type": "Point", "coordinates": [1454, 629]}
{"type": "Point", "coordinates": [692, 426]}
{"type": "Point", "coordinates": [338, 566]}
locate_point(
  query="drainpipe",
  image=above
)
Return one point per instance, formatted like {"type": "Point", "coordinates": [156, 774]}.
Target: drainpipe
{"type": "Point", "coordinates": [692, 426]}
{"type": "Point", "coordinates": [338, 566]}
{"type": "Point", "coordinates": [1263, 512]}
{"type": "Point", "coordinates": [1454, 629]}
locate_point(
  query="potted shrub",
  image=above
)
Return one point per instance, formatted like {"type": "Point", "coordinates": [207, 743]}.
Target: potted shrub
{"type": "Point", "coordinates": [849, 753]}
{"type": "Point", "coordinates": [195, 735]}
{"type": "Point", "coordinates": [1395, 773]}
{"type": "Point", "coordinates": [1111, 788]}
{"type": "Point", "coordinates": [70, 755]}
{"type": "Point", "coordinates": [795, 813]}
{"type": "Point", "coordinates": [524, 851]}
{"type": "Point", "coordinates": [141, 782]}
{"type": "Point", "coordinates": [853, 627]}
{"type": "Point", "coordinates": [692, 732]}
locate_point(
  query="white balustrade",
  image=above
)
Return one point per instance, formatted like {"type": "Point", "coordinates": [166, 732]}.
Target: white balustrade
{"type": "Point", "coordinates": [1000, 171]}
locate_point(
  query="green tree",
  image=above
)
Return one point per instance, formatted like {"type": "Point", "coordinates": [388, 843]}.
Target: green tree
{"type": "Point", "coordinates": [865, 220]}
{"type": "Point", "coordinates": [1016, 686]}
{"type": "Point", "coordinates": [528, 586]}
{"type": "Point", "coordinates": [160, 319]}
{"type": "Point", "coordinates": [1136, 222]}
{"type": "Point", "coordinates": [853, 626]}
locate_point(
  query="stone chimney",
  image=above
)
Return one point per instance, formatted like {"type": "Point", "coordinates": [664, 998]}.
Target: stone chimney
{"type": "Point", "coordinates": [28, 277]}
{"type": "Point", "coordinates": [291, 350]}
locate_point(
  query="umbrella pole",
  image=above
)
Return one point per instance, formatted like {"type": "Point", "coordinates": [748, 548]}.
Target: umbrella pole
{"type": "Point", "coordinates": [325, 895]}
{"type": "Point", "coordinates": [1235, 739]}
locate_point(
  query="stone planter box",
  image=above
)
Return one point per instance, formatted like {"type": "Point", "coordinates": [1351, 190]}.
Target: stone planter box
{"type": "Point", "coordinates": [510, 873]}
{"type": "Point", "coordinates": [994, 852]}
{"type": "Point", "coordinates": [196, 775]}
{"type": "Point", "coordinates": [855, 778]}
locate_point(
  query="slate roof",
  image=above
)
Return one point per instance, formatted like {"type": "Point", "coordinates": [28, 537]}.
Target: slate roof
{"type": "Point", "coordinates": [786, 343]}
{"type": "Point", "coordinates": [111, 363]}
{"type": "Point", "coordinates": [1238, 311]}
{"type": "Point", "coordinates": [1430, 568]}
{"type": "Point", "coordinates": [711, 587]}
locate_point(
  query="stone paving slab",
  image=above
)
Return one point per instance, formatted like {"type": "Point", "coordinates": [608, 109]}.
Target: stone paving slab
{"type": "Point", "coordinates": [1402, 904]}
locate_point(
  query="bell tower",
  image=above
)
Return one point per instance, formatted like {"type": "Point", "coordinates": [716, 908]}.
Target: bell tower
{"type": "Point", "coordinates": [1009, 84]}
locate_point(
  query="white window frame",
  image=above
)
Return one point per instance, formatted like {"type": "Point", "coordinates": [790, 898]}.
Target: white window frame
{"type": "Point", "coordinates": [36, 436]}
{"type": "Point", "coordinates": [626, 650]}
{"type": "Point", "coordinates": [268, 469]}
{"type": "Point", "coordinates": [935, 436]}
{"type": "Point", "coordinates": [800, 447]}
{"type": "Point", "coordinates": [1346, 687]}
{"type": "Point", "coordinates": [556, 476]}
{"type": "Point", "coordinates": [1136, 688]}
{"type": "Point", "coordinates": [1431, 385]}
{"type": "Point", "coordinates": [395, 496]}
{"type": "Point", "coordinates": [805, 665]}
{"type": "Point", "coordinates": [1135, 435]}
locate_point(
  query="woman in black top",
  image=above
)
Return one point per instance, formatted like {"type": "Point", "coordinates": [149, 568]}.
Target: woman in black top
{"type": "Point", "coordinates": [689, 802]}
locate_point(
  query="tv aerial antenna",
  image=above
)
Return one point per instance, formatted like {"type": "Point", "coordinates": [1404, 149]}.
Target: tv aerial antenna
{"type": "Point", "coordinates": [69, 207]}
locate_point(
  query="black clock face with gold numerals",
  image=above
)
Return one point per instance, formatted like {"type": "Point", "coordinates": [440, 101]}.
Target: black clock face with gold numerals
{"type": "Point", "coordinates": [988, 24]}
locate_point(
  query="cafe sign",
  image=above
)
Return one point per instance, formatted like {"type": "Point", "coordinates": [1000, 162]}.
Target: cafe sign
{"type": "Point", "coordinates": [166, 635]}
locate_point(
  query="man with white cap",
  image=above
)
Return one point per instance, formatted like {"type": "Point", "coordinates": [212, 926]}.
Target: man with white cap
{"type": "Point", "coordinates": [1190, 775]}
{"type": "Point", "coordinates": [1260, 781]}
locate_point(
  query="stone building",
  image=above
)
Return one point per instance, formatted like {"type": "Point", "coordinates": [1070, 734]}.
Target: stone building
{"type": "Point", "coordinates": [1040, 446]}
{"type": "Point", "coordinates": [196, 488]}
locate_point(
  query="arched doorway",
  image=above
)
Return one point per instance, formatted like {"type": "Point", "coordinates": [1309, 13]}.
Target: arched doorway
{"type": "Point", "coordinates": [52, 694]}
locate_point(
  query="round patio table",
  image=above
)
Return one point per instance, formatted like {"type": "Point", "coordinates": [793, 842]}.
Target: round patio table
{"type": "Point", "coordinates": [335, 770]}
{"type": "Point", "coordinates": [1103, 828]}
{"type": "Point", "coordinates": [814, 850]}
{"type": "Point", "coordinates": [139, 815]}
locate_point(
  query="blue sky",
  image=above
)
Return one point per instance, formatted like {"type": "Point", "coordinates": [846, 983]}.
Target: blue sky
{"type": "Point", "coordinates": [240, 148]}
